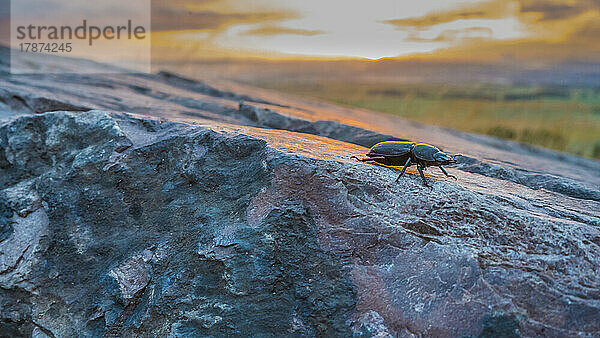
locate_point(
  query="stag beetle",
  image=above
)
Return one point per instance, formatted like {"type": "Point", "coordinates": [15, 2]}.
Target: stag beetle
{"type": "Point", "coordinates": [398, 153]}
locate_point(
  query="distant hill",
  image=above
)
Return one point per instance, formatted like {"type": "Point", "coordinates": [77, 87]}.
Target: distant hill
{"type": "Point", "coordinates": [392, 70]}
{"type": "Point", "coordinates": [384, 70]}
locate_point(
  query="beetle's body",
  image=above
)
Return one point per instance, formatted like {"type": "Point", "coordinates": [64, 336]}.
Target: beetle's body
{"type": "Point", "coordinates": [401, 153]}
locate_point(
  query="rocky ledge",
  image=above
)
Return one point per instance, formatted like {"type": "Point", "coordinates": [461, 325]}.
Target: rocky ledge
{"type": "Point", "coordinates": [207, 216]}
{"type": "Point", "coordinates": [113, 224]}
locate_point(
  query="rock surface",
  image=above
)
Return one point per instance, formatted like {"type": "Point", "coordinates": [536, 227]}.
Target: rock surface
{"type": "Point", "coordinates": [162, 206]}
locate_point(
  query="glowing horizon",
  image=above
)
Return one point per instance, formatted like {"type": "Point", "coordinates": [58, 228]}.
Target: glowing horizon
{"type": "Point", "coordinates": [491, 30]}
{"type": "Point", "coordinates": [534, 31]}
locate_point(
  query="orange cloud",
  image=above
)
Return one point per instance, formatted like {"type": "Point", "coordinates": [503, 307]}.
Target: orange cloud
{"type": "Point", "coordinates": [590, 31]}
{"type": "Point", "coordinates": [485, 10]}
{"type": "Point", "coordinates": [173, 19]}
{"type": "Point", "coordinates": [206, 15]}
{"type": "Point", "coordinates": [542, 10]}
{"type": "Point", "coordinates": [557, 10]}
{"type": "Point", "coordinates": [453, 35]}
{"type": "Point", "coordinates": [267, 30]}
{"type": "Point", "coordinates": [580, 43]}
{"type": "Point", "coordinates": [558, 30]}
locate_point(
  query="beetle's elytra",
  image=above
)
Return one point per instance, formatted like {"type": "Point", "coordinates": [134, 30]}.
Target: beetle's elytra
{"type": "Point", "coordinates": [400, 153]}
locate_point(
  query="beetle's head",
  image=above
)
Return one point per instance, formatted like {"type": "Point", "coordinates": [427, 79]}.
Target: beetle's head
{"type": "Point", "coordinates": [454, 157]}
{"type": "Point", "coordinates": [451, 160]}
{"type": "Point", "coordinates": [444, 158]}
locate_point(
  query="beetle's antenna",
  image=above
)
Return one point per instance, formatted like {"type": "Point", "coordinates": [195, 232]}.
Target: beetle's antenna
{"type": "Point", "coordinates": [455, 155]}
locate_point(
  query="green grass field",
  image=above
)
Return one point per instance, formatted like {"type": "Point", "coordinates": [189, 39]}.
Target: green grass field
{"type": "Point", "coordinates": [566, 119]}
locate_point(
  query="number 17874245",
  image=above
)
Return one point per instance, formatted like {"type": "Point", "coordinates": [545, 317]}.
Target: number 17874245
{"type": "Point", "coordinates": [42, 47]}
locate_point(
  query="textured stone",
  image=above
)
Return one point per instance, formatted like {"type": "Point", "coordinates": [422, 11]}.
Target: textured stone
{"type": "Point", "coordinates": [228, 230]}
{"type": "Point", "coordinates": [252, 220]}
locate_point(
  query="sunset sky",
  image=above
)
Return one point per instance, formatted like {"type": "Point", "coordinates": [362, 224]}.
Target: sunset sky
{"type": "Point", "coordinates": [495, 30]}
{"type": "Point", "coordinates": [535, 31]}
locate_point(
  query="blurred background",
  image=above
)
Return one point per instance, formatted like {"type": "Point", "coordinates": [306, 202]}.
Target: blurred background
{"type": "Point", "coordinates": [524, 70]}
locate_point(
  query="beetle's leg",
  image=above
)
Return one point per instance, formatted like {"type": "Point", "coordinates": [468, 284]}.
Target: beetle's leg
{"type": "Point", "coordinates": [367, 159]}
{"type": "Point", "coordinates": [362, 159]}
{"type": "Point", "coordinates": [404, 169]}
{"type": "Point", "coordinates": [445, 173]}
{"type": "Point", "coordinates": [422, 176]}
